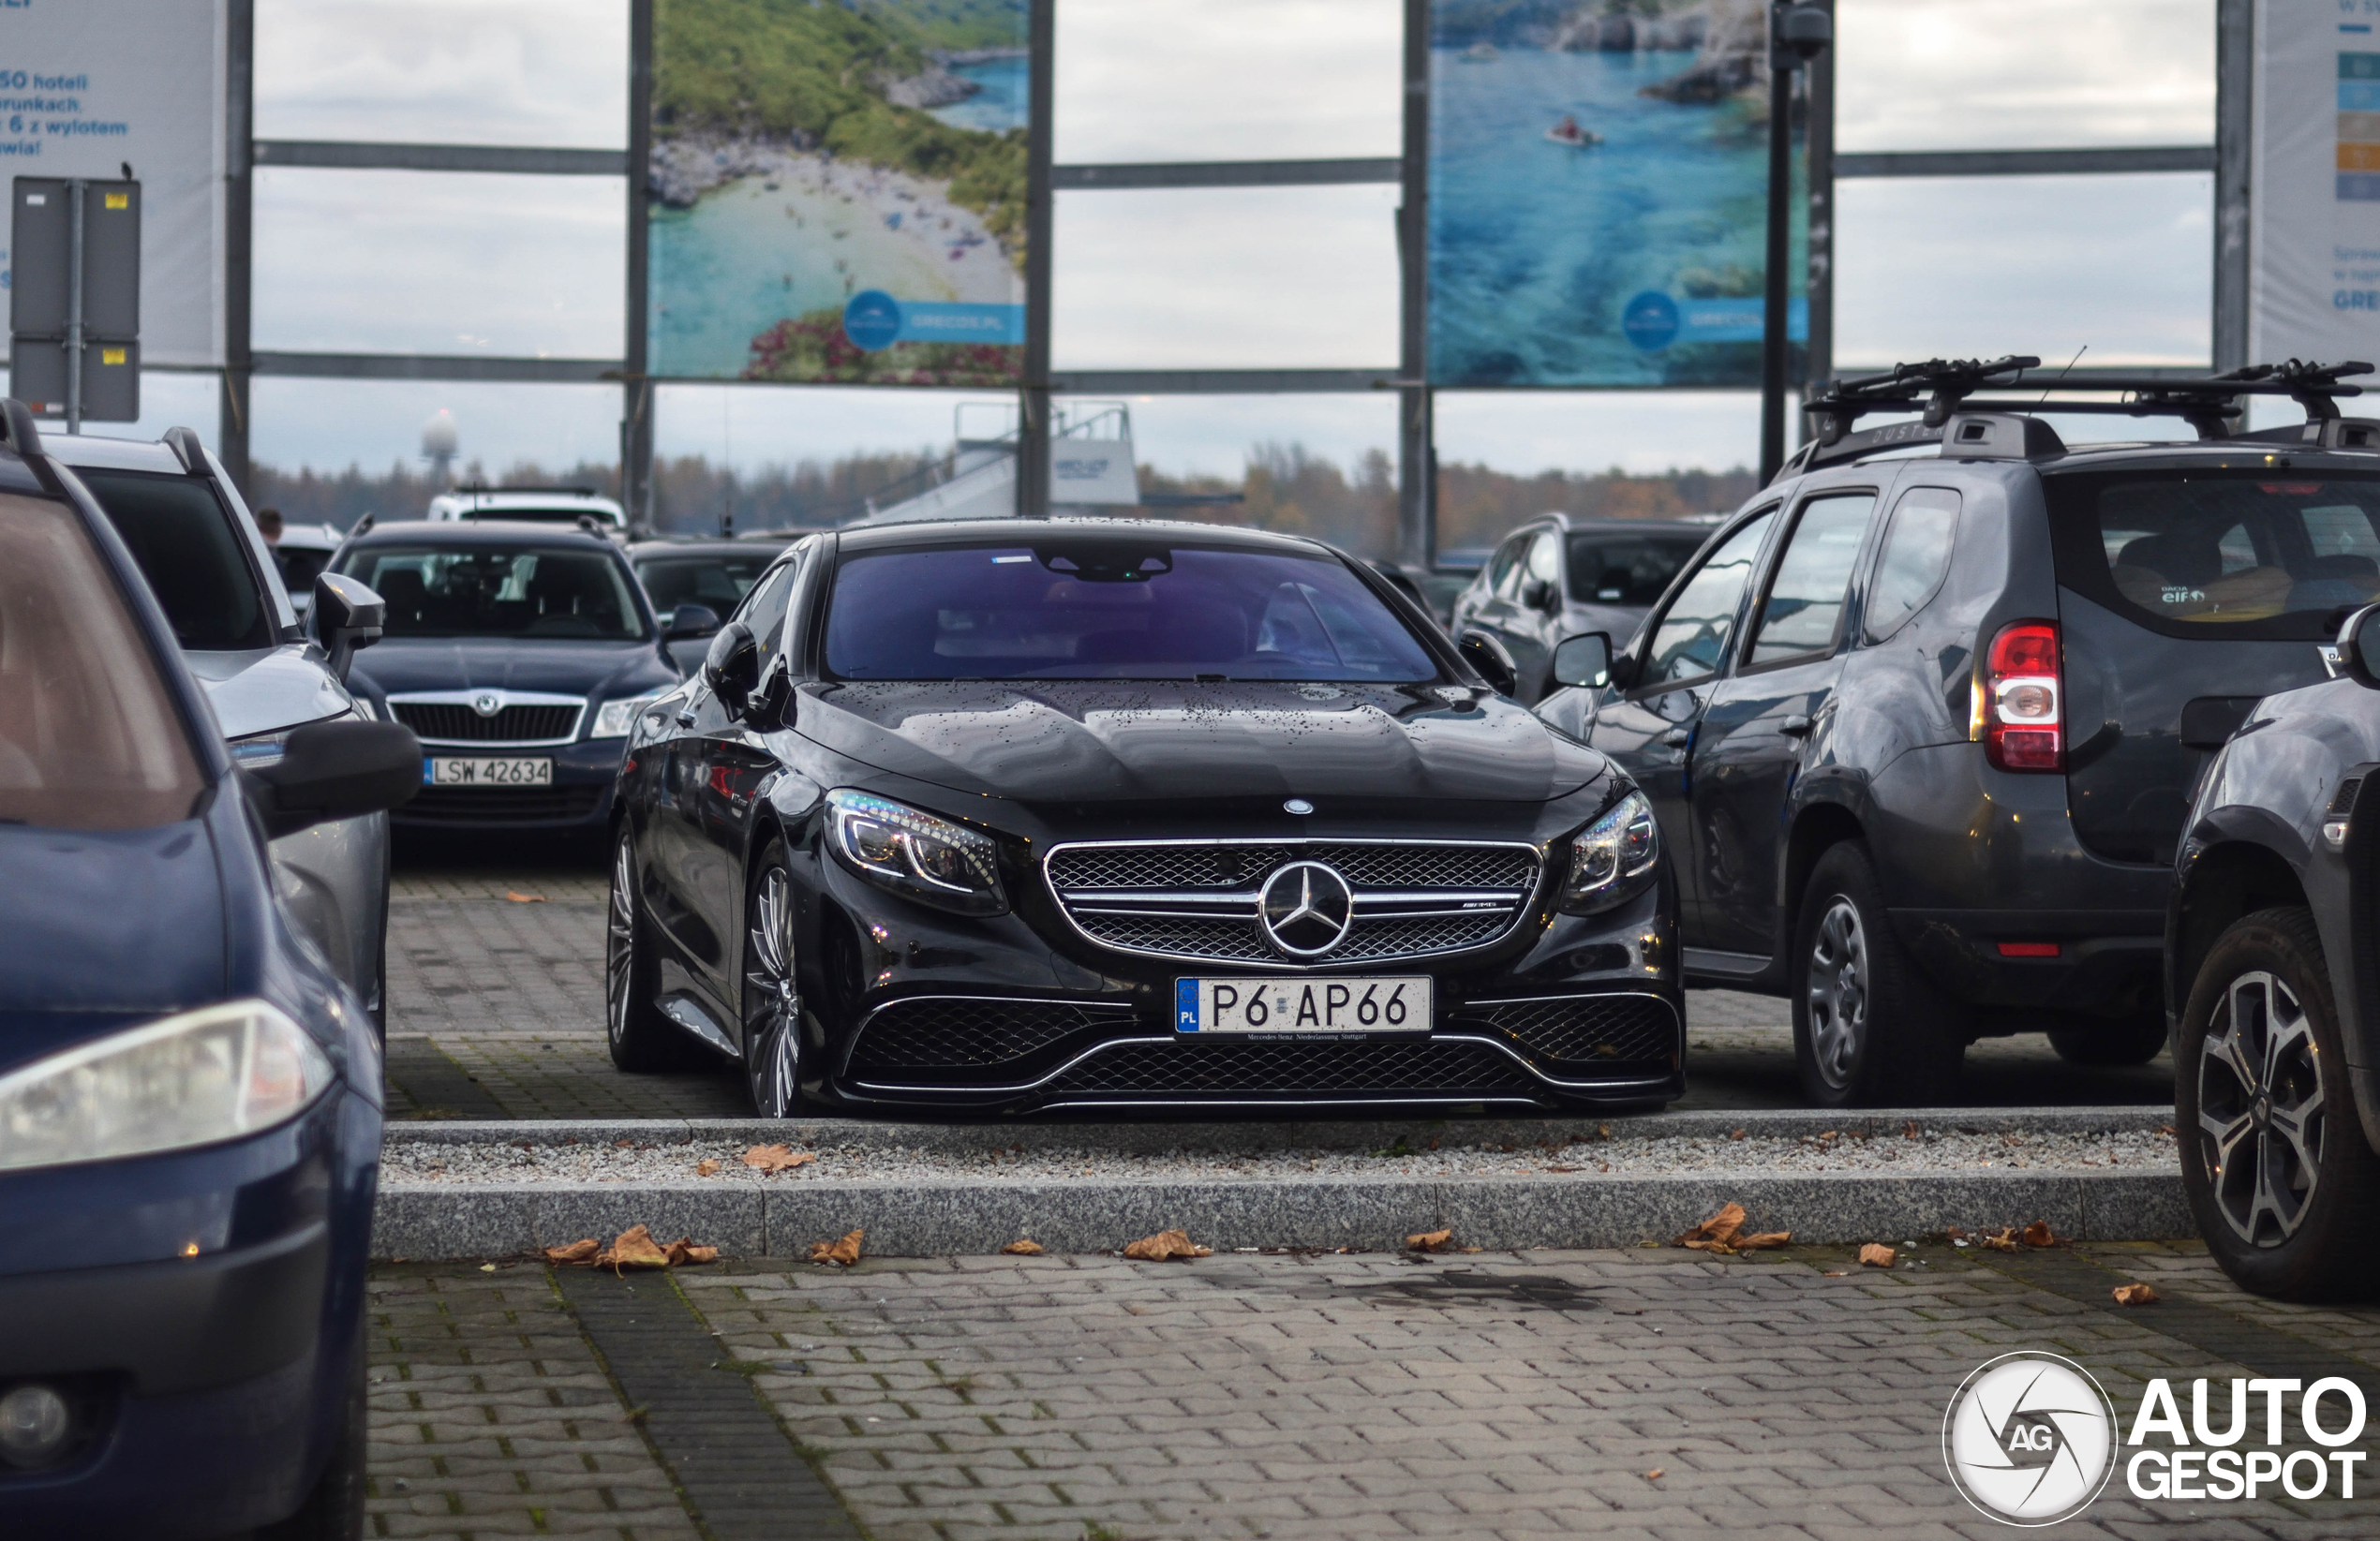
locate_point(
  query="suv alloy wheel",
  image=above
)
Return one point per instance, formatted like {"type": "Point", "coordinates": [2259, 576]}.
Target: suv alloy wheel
{"type": "Point", "coordinates": [2281, 1180]}
{"type": "Point", "coordinates": [641, 1039]}
{"type": "Point", "coordinates": [772, 994]}
{"type": "Point", "coordinates": [1869, 1029]}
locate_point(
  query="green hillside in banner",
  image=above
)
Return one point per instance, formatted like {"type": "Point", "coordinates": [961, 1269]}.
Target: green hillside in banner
{"type": "Point", "coordinates": [817, 74]}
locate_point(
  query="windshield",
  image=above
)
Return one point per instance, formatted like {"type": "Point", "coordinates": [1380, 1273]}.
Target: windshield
{"type": "Point", "coordinates": [719, 582]}
{"type": "Point", "coordinates": [498, 591]}
{"type": "Point", "coordinates": [2260, 554]}
{"type": "Point", "coordinates": [1632, 570]}
{"type": "Point", "coordinates": [89, 737]}
{"type": "Point", "coordinates": [185, 546]}
{"type": "Point", "coordinates": [1111, 609]}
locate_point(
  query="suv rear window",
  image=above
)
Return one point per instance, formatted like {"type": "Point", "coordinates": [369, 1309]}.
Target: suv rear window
{"type": "Point", "coordinates": [1632, 570]}
{"type": "Point", "coordinates": [187, 547]}
{"type": "Point", "coordinates": [2250, 554]}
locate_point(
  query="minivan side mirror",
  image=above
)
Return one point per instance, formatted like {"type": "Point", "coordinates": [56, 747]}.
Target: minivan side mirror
{"type": "Point", "coordinates": [335, 770]}
{"type": "Point", "coordinates": [2360, 644]}
{"type": "Point", "coordinates": [689, 621]}
{"type": "Point", "coordinates": [346, 615]}
{"type": "Point", "coordinates": [1584, 660]}
{"type": "Point", "coordinates": [1482, 652]}
{"type": "Point", "coordinates": [732, 667]}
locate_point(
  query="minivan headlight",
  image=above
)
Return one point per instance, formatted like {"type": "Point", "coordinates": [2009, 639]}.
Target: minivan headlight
{"type": "Point", "coordinates": [1613, 858]}
{"type": "Point", "coordinates": [914, 853]}
{"type": "Point", "coordinates": [616, 719]}
{"type": "Point", "coordinates": [191, 1079]}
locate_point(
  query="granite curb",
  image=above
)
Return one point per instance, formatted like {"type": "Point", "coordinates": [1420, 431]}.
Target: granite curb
{"type": "Point", "coordinates": [936, 1219]}
{"type": "Point", "coordinates": [1156, 1136]}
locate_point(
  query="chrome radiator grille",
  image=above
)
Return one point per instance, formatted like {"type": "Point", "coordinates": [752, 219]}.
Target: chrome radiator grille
{"type": "Point", "coordinates": [1204, 900]}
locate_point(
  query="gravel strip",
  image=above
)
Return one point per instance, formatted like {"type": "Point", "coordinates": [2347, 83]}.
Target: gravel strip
{"type": "Point", "coordinates": [1924, 1151]}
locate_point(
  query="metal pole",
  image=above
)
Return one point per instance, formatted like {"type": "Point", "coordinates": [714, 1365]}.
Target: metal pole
{"type": "Point", "coordinates": [1773, 287]}
{"type": "Point", "coordinates": [239, 230]}
{"type": "Point", "coordinates": [1818, 155]}
{"type": "Point", "coordinates": [1417, 477]}
{"type": "Point", "coordinates": [636, 388]}
{"type": "Point", "coordinates": [1033, 399]}
{"type": "Point", "coordinates": [74, 304]}
{"type": "Point", "coordinates": [2234, 134]}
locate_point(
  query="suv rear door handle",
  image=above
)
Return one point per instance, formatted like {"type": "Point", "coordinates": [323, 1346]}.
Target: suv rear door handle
{"type": "Point", "coordinates": [1795, 726]}
{"type": "Point", "coordinates": [1676, 737]}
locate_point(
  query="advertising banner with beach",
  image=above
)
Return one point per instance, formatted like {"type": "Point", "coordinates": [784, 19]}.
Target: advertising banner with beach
{"type": "Point", "coordinates": [1598, 184]}
{"type": "Point", "coordinates": [2313, 243]}
{"type": "Point", "coordinates": [836, 191]}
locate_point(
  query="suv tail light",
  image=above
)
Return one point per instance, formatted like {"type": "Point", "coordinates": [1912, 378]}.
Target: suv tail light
{"type": "Point", "coordinates": [2024, 707]}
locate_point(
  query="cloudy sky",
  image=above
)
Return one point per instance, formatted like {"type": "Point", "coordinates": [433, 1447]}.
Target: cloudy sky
{"type": "Point", "coordinates": [408, 261]}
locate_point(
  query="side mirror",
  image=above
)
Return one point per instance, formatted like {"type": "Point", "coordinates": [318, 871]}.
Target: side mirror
{"type": "Point", "coordinates": [1541, 594]}
{"type": "Point", "coordinates": [1584, 660]}
{"type": "Point", "coordinates": [689, 621]}
{"type": "Point", "coordinates": [1495, 664]}
{"type": "Point", "coordinates": [335, 770]}
{"type": "Point", "coordinates": [732, 667]}
{"type": "Point", "coordinates": [2360, 646]}
{"type": "Point", "coordinates": [346, 615]}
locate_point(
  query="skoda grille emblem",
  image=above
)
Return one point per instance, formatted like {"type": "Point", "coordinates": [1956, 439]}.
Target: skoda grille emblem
{"type": "Point", "coordinates": [488, 703]}
{"type": "Point", "coordinates": [2029, 1439]}
{"type": "Point", "coordinates": [1306, 909]}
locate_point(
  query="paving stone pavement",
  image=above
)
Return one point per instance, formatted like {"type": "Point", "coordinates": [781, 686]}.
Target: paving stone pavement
{"type": "Point", "coordinates": [1616, 1395]}
{"type": "Point", "coordinates": [496, 1010]}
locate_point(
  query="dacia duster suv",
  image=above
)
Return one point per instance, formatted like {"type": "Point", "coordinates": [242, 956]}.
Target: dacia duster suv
{"type": "Point", "coordinates": [1922, 722]}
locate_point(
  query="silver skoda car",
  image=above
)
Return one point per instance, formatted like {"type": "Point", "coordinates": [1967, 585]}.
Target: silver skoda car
{"type": "Point", "coordinates": [216, 580]}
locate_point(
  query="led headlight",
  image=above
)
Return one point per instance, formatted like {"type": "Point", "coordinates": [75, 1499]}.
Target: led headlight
{"type": "Point", "coordinates": [617, 719]}
{"type": "Point", "coordinates": [914, 854]}
{"type": "Point", "coordinates": [1613, 858]}
{"type": "Point", "coordinates": [196, 1078]}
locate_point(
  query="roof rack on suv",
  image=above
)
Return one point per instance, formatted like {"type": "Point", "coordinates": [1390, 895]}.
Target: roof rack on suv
{"type": "Point", "coordinates": [1940, 388]}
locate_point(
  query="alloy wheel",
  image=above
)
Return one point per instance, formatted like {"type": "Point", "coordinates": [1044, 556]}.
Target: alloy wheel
{"type": "Point", "coordinates": [2260, 1109]}
{"type": "Point", "coordinates": [619, 941]}
{"type": "Point", "coordinates": [772, 1001]}
{"type": "Point", "coordinates": [1838, 989]}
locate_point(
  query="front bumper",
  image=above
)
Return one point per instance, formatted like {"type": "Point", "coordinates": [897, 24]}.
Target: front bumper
{"type": "Point", "coordinates": [579, 800]}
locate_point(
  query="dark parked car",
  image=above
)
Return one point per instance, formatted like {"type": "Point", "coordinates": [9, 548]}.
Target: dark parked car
{"type": "Point", "coordinates": [190, 1100]}
{"type": "Point", "coordinates": [2268, 945]}
{"type": "Point", "coordinates": [1922, 731]}
{"type": "Point", "coordinates": [212, 571]}
{"type": "Point", "coordinates": [1025, 814]}
{"type": "Point", "coordinates": [1556, 577]}
{"type": "Point", "coordinates": [715, 574]}
{"type": "Point", "coordinates": [520, 653]}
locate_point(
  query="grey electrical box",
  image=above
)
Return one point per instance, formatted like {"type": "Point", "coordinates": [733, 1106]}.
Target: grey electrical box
{"type": "Point", "coordinates": [46, 300]}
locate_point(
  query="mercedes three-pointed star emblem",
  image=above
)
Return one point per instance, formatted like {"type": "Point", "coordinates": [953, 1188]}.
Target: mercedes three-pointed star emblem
{"type": "Point", "coordinates": [1306, 909]}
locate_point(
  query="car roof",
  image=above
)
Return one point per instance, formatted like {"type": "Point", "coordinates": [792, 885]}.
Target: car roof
{"type": "Point", "coordinates": [766, 545]}
{"type": "Point", "coordinates": [484, 532]}
{"type": "Point", "coordinates": [976, 532]}
{"type": "Point", "coordinates": [96, 451]}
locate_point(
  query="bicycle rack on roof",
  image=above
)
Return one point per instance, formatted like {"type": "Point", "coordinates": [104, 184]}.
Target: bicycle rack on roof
{"type": "Point", "coordinates": [1937, 387]}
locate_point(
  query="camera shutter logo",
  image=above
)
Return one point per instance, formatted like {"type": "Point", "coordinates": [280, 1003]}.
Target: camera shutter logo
{"type": "Point", "coordinates": [2029, 1439]}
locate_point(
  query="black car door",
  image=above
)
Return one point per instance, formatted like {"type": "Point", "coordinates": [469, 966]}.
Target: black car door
{"type": "Point", "coordinates": [1766, 721]}
{"type": "Point", "coordinates": [1648, 728]}
{"type": "Point", "coordinates": [735, 760]}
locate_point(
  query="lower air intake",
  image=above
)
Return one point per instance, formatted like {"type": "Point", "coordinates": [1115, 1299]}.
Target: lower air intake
{"type": "Point", "coordinates": [1205, 1068]}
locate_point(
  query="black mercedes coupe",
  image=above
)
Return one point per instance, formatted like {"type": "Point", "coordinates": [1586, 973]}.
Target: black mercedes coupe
{"type": "Point", "coordinates": [1027, 814]}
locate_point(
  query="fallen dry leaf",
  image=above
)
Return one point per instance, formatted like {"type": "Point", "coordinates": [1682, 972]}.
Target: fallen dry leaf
{"type": "Point", "coordinates": [1720, 1228]}
{"type": "Point", "coordinates": [1022, 1248]}
{"type": "Point", "coordinates": [1911, 1132]}
{"type": "Point", "coordinates": [1737, 1135]}
{"type": "Point", "coordinates": [2002, 1241]}
{"type": "Point", "coordinates": [845, 1252]}
{"type": "Point", "coordinates": [577, 1251]}
{"type": "Point", "coordinates": [1166, 1246]}
{"type": "Point", "coordinates": [2038, 1234]}
{"type": "Point", "coordinates": [487, 1267]}
{"type": "Point", "coordinates": [1655, 1474]}
{"type": "Point", "coordinates": [707, 1169]}
{"type": "Point", "coordinates": [2134, 1294]}
{"type": "Point", "coordinates": [1877, 1255]}
{"type": "Point", "coordinates": [633, 1247]}
{"type": "Point", "coordinates": [523, 899]}
{"type": "Point", "coordinates": [1566, 1168]}
{"type": "Point", "coordinates": [1429, 1241]}
{"type": "Point", "coordinates": [1763, 1241]}
{"type": "Point", "coordinates": [1833, 1273]}
{"type": "Point", "coordinates": [684, 1250]}
{"type": "Point", "coordinates": [775, 1158]}
{"type": "Point", "coordinates": [1954, 1233]}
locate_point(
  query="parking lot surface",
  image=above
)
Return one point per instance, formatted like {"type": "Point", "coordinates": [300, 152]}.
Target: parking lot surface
{"type": "Point", "coordinates": [1633, 1394]}
{"type": "Point", "coordinates": [495, 1011]}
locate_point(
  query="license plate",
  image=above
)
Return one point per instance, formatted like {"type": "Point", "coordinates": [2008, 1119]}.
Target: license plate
{"type": "Point", "coordinates": [1301, 1005]}
{"type": "Point", "coordinates": [517, 771]}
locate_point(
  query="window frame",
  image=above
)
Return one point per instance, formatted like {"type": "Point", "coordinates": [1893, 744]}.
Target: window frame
{"type": "Point", "coordinates": [1773, 558]}
{"type": "Point", "coordinates": [1711, 548]}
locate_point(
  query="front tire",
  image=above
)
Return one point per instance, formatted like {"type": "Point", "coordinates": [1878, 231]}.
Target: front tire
{"type": "Point", "coordinates": [772, 1009]}
{"type": "Point", "coordinates": [1869, 1029]}
{"type": "Point", "coordinates": [642, 1040]}
{"type": "Point", "coordinates": [2280, 1179]}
